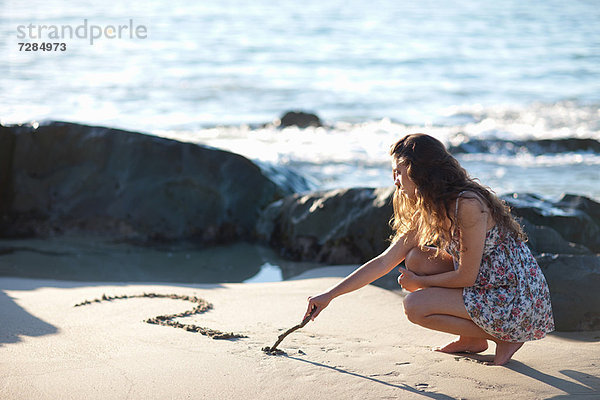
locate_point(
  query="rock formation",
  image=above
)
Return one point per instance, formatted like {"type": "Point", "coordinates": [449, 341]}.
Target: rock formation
{"type": "Point", "coordinates": [342, 226]}
{"type": "Point", "coordinates": [300, 119]}
{"type": "Point", "coordinates": [63, 177]}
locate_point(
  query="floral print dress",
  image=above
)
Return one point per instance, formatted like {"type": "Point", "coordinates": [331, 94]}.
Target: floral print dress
{"type": "Point", "coordinates": [510, 299]}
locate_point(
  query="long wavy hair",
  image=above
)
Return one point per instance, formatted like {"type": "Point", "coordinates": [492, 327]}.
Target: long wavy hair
{"type": "Point", "coordinates": [439, 179]}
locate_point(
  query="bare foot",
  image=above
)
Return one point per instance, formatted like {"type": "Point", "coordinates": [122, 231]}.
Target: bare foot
{"type": "Point", "coordinates": [504, 351]}
{"type": "Point", "coordinates": [465, 344]}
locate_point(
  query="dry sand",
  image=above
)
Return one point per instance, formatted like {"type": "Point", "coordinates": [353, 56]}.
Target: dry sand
{"type": "Point", "coordinates": [361, 347]}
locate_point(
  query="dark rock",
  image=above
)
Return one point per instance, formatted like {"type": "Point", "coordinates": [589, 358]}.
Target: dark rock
{"type": "Point", "coordinates": [543, 239]}
{"type": "Point", "coordinates": [343, 226]}
{"type": "Point", "coordinates": [7, 145]}
{"type": "Point", "coordinates": [63, 177]}
{"type": "Point", "coordinates": [569, 216]}
{"type": "Point", "coordinates": [581, 203]}
{"type": "Point", "coordinates": [298, 118]}
{"type": "Point", "coordinates": [574, 282]}
{"type": "Point", "coordinates": [286, 179]}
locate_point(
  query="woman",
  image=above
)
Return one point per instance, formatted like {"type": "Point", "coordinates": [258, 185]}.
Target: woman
{"type": "Point", "coordinates": [480, 281]}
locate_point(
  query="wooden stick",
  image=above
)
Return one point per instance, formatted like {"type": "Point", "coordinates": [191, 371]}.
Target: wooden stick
{"type": "Point", "coordinates": [273, 349]}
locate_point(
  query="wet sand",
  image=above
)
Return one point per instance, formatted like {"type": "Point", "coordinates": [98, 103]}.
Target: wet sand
{"type": "Point", "coordinates": [362, 346]}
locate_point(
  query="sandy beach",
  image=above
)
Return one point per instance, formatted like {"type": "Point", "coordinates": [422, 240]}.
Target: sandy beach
{"type": "Point", "coordinates": [362, 346]}
{"type": "Point", "coordinates": [177, 178]}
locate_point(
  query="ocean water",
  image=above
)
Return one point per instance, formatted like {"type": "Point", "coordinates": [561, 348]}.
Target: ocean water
{"type": "Point", "coordinates": [212, 72]}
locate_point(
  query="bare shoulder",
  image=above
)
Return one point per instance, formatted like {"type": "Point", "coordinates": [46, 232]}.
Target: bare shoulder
{"type": "Point", "coordinates": [471, 210]}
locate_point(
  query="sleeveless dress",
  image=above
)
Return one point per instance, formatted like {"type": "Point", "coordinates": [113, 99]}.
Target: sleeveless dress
{"type": "Point", "coordinates": [510, 299]}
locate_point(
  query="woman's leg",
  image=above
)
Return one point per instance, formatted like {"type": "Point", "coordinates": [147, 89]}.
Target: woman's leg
{"type": "Point", "coordinates": [443, 309]}
{"type": "Point", "coordinates": [427, 262]}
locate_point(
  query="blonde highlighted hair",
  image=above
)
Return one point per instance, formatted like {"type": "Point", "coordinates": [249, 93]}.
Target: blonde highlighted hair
{"type": "Point", "coordinates": [439, 180]}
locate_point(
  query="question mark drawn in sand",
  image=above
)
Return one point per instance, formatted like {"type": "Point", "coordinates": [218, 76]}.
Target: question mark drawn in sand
{"type": "Point", "coordinates": [169, 320]}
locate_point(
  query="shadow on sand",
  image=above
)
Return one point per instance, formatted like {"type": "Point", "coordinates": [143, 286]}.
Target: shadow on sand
{"type": "Point", "coordinates": [588, 386]}
{"type": "Point", "coordinates": [17, 322]}
{"type": "Point", "coordinates": [404, 387]}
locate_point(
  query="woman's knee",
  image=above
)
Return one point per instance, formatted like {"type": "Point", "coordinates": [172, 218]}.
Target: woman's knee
{"type": "Point", "coordinates": [427, 261]}
{"type": "Point", "coordinates": [413, 307]}
{"type": "Point", "coordinates": [414, 260]}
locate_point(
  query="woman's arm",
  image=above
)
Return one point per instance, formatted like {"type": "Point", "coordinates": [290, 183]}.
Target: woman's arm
{"type": "Point", "coordinates": [472, 222]}
{"type": "Point", "coordinates": [367, 273]}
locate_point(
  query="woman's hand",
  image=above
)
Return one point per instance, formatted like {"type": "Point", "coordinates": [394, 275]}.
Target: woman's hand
{"type": "Point", "coordinates": [320, 302]}
{"type": "Point", "coordinates": [409, 280]}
